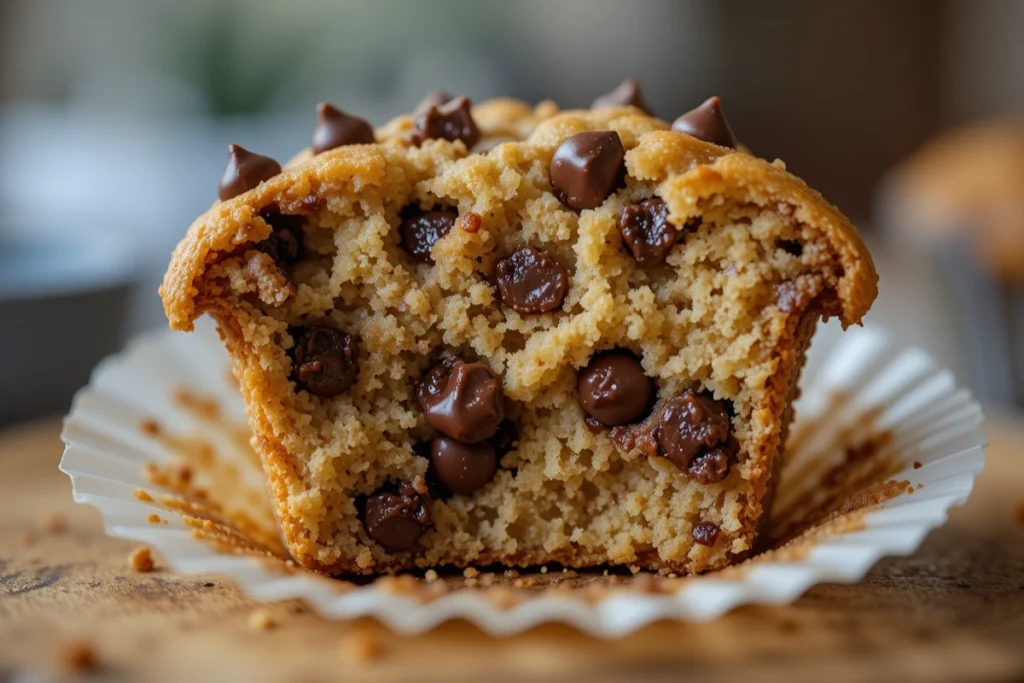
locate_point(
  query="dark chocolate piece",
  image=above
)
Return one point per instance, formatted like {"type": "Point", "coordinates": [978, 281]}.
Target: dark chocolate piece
{"type": "Point", "coordinates": [587, 168]}
{"type": "Point", "coordinates": [325, 361]}
{"type": "Point", "coordinates": [335, 128]}
{"type": "Point", "coordinates": [462, 400]}
{"type": "Point", "coordinates": [245, 170]}
{"type": "Point", "coordinates": [613, 388]}
{"type": "Point", "coordinates": [531, 281]}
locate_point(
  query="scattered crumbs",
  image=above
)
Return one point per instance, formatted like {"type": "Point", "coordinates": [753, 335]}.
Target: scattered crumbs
{"type": "Point", "coordinates": [362, 646]}
{"type": "Point", "coordinates": [55, 523]}
{"type": "Point", "coordinates": [430, 576]}
{"type": "Point", "coordinates": [917, 464]}
{"type": "Point", "coordinates": [155, 519]}
{"type": "Point", "coordinates": [487, 579]}
{"type": "Point", "coordinates": [634, 569]}
{"type": "Point", "coordinates": [77, 656]}
{"type": "Point", "coordinates": [150, 426]}
{"type": "Point", "coordinates": [544, 569]}
{"type": "Point", "coordinates": [26, 539]}
{"type": "Point", "coordinates": [141, 559]}
{"type": "Point", "coordinates": [470, 573]}
{"type": "Point", "coordinates": [472, 583]}
{"type": "Point", "coordinates": [511, 574]}
{"type": "Point", "coordinates": [1018, 512]}
{"type": "Point", "coordinates": [673, 575]}
{"type": "Point", "coordinates": [143, 495]}
{"type": "Point", "coordinates": [919, 486]}
{"type": "Point", "coordinates": [605, 573]}
{"type": "Point", "coordinates": [260, 620]}
{"type": "Point", "coordinates": [520, 583]}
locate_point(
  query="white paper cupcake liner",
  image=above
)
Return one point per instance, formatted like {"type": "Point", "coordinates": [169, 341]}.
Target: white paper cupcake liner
{"type": "Point", "coordinates": [858, 388]}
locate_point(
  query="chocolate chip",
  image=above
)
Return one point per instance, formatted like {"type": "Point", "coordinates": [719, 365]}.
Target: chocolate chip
{"type": "Point", "coordinates": [450, 121]}
{"type": "Point", "coordinates": [396, 520]}
{"type": "Point", "coordinates": [712, 465]}
{"type": "Point", "coordinates": [646, 231]}
{"type": "Point", "coordinates": [625, 94]}
{"type": "Point", "coordinates": [462, 400]}
{"type": "Point", "coordinates": [613, 388]}
{"type": "Point", "coordinates": [335, 128]}
{"type": "Point", "coordinates": [285, 242]}
{"type": "Point", "coordinates": [418, 233]}
{"type": "Point", "coordinates": [463, 468]}
{"type": "Point", "coordinates": [707, 123]}
{"type": "Point", "coordinates": [325, 361]}
{"type": "Point", "coordinates": [245, 171]}
{"type": "Point", "coordinates": [688, 423]}
{"type": "Point", "coordinates": [587, 168]}
{"type": "Point", "coordinates": [531, 281]}
{"type": "Point", "coordinates": [434, 98]}
{"type": "Point", "coordinates": [705, 533]}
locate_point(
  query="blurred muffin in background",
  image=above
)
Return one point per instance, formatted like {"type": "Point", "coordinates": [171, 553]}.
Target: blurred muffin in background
{"type": "Point", "coordinates": [960, 201]}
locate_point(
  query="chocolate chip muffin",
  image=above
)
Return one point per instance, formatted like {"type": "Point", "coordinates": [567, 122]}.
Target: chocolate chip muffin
{"type": "Point", "coordinates": [503, 334]}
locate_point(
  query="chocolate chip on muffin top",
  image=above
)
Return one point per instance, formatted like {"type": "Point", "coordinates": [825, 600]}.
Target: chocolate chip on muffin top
{"type": "Point", "coordinates": [335, 128]}
{"type": "Point", "coordinates": [707, 123]}
{"type": "Point", "coordinates": [245, 170]}
{"type": "Point", "coordinates": [626, 93]}
{"type": "Point", "coordinates": [587, 168]}
{"type": "Point", "coordinates": [449, 121]}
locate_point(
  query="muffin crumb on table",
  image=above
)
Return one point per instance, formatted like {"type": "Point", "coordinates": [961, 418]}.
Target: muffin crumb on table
{"type": "Point", "coordinates": [141, 560]}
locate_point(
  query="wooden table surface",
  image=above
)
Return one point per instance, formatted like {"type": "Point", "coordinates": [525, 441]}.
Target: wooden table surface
{"type": "Point", "coordinates": [954, 611]}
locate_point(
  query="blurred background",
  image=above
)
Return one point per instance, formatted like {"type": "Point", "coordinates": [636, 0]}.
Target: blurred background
{"type": "Point", "coordinates": [115, 116]}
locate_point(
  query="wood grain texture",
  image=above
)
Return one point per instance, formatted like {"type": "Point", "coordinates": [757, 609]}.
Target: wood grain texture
{"type": "Point", "coordinates": [952, 612]}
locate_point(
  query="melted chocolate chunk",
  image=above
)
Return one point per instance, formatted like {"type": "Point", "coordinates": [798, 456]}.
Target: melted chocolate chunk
{"type": "Point", "coordinates": [625, 94]}
{"type": "Point", "coordinates": [397, 519]}
{"type": "Point", "coordinates": [646, 231]}
{"type": "Point", "coordinates": [712, 466]}
{"type": "Point", "coordinates": [707, 123]}
{"type": "Point", "coordinates": [705, 533]}
{"type": "Point", "coordinates": [450, 121]}
{"type": "Point", "coordinates": [245, 170]}
{"type": "Point", "coordinates": [418, 233]}
{"type": "Point", "coordinates": [587, 168]}
{"type": "Point", "coordinates": [463, 468]}
{"type": "Point", "coordinates": [462, 400]}
{"type": "Point", "coordinates": [325, 361]}
{"type": "Point", "coordinates": [688, 423]}
{"type": "Point", "coordinates": [613, 388]}
{"type": "Point", "coordinates": [335, 128]}
{"type": "Point", "coordinates": [285, 242]}
{"type": "Point", "coordinates": [531, 281]}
